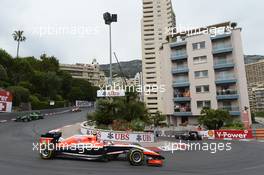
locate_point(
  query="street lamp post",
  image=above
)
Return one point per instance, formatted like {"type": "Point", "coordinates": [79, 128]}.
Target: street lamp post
{"type": "Point", "coordinates": [109, 18]}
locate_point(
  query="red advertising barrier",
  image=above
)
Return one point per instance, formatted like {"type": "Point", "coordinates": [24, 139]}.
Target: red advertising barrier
{"type": "Point", "coordinates": [233, 134]}
{"type": "Point", "coordinates": [5, 101]}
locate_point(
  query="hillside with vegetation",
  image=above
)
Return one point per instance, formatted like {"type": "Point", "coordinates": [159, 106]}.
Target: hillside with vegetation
{"type": "Point", "coordinates": [130, 68]}
{"type": "Point", "coordinates": [39, 81]}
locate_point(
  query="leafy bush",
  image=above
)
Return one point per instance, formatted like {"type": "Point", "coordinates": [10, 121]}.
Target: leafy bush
{"type": "Point", "coordinates": [137, 125]}
{"type": "Point", "coordinates": [58, 98]}
{"type": "Point", "coordinates": [20, 94]}
{"type": "Point", "coordinates": [213, 119]}
{"type": "Point", "coordinates": [59, 104]}
{"type": "Point", "coordinates": [235, 124]}
{"type": "Point", "coordinates": [90, 116]}
{"type": "Point", "coordinates": [26, 84]}
{"type": "Point", "coordinates": [102, 126]}
{"type": "Point", "coordinates": [36, 104]}
{"type": "Point", "coordinates": [121, 112]}
{"type": "Point", "coordinates": [120, 125]}
{"type": "Point", "coordinates": [260, 114]}
{"type": "Point", "coordinates": [157, 119]}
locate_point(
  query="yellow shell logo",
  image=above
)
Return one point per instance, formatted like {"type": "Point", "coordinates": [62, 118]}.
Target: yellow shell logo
{"type": "Point", "coordinates": [210, 133]}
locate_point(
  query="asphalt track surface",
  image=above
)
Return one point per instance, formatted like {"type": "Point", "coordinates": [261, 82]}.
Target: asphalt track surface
{"type": "Point", "coordinates": [17, 157]}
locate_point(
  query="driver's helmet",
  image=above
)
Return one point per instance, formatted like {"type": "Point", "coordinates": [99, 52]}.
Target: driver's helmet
{"type": "Point", "coordinates": [94, 133]}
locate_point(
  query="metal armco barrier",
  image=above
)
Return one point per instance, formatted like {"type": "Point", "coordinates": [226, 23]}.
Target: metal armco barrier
{"type": "Point", "coordinates": [258, 134]}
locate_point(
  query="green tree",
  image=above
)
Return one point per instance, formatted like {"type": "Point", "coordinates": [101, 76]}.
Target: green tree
{"type": "Point", "coordinates": [20, 94]}
{"type": "Point", "coordinates": [34, 63]}
{"type": "Point", "coordinates": [38, 81]}
{"type": "Point", "coordinates": [18, 36]}
{"type": "Point", "coordinates": [76, 94]}
{"type": "Point", "coordinates": [52, 84]}
{"type": "Point", "coordinates": [49, 63]}
{"type": "Point", "coordinates": [66, 86]}
{"type": "Point", "coordinates": [21, 70]}
{"type": "Point", "coordinates": [234, 124]}
{"type": "Point", "coordinates": [6, 61]}
{"type": "Point", "coordinates": [3, 73]}
{"type": "Point", "coordinates": [157, 118]}
{"type": "Point", "coordinates": [120, 108]}
{"type": "Point", "coordinates": [105, 112]}
{"type": "Point", "coordinates": [88, 91]}
{"type": "Point", "coordinates": [214, 119]}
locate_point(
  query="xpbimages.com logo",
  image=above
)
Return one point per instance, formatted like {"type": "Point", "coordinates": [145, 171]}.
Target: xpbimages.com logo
{"type": "Point", "coordinates": [183, 30]}
{"type": "Point", "coordinates": [212, 147]}
{"type": "Point", "coordinates": [117, 89]}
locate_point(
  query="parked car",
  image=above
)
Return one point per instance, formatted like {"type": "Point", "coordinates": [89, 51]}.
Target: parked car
{"type": "Point", "coordinates": [29, 117]}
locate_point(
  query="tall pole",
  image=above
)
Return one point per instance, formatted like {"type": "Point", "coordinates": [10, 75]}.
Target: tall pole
{"type": "Point", "coordinates": [109, 18]}
{"type": "Point", "coordinates": [110, 40]}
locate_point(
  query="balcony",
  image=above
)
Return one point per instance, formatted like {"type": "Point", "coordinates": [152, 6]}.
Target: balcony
{"type": "Point", "coordinates": [178, 55]}
{"type": "Point", "coordinates": [177, 44]}
{"type": "Point", "coordinates": [182, 97]}
{"type": "Point", "coordinates": [227, 94]}
{"type": "Point", "coordinates": [223, 48]}
{"type": "Point", "coordinates": [225, 79]}
{"type": "Point", "coordinates": [181, 83]}
{"type": "Point", "coordinates": [180, 69]}
{"type": "Point", "coordinates": [222, 36]}
{"type": "Point", "coordinates": [221, 64]}
{"type": "Point", "coordinates": [182, 111]}
{"type": "Point", "coordinates": [233, 110]}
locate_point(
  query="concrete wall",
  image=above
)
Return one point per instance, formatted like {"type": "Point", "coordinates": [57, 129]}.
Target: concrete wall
{"type": "Point", "coordinates": [238, 55]}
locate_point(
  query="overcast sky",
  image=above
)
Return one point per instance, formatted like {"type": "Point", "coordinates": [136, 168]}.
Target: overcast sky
{"type": "Point", "coordinates": [74, 30]}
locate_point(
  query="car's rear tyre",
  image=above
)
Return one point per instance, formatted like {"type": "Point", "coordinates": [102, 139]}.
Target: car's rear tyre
{"type": "Point", "coordinates": [136, 157]}
{"type": "Point", "coordinates": [47, 151]}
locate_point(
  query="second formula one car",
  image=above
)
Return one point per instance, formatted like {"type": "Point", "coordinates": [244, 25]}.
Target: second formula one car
{"type": "Point", "coordinates": [29, 117]}
{"type": "Point", "coordinates": [90, 148]}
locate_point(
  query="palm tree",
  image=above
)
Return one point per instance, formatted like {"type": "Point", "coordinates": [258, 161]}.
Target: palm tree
{"type": "Point", "coordinates": [18, 36]}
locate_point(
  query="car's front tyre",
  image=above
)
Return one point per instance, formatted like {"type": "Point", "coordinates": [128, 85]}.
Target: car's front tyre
{"type": "Point", "coordinates": [136, 157]}
{"type": "Point", "coordinates": [47, 151]}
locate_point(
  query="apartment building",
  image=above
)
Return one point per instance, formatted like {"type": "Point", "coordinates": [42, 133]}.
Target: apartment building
{"type": "Point", "coordinates": [256, 96]}
{"type": "Point", "coordinates": [255, 72]}
{"type": "Point", "coordinates": [158, 16]}
{"type": "Point", "coordinates": [89, 72]}
{"type": "Point", "coordinates": [206, 69]}
{"type": "Point", "coordinates": [255, 80]}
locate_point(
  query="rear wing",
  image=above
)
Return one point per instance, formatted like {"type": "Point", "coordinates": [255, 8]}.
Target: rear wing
{"type": "Point", "coordinates": [51, 136]}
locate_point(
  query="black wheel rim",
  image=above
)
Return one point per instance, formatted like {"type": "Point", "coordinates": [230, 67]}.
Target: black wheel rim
{"type": "Point", "coordinates": [137, 157]}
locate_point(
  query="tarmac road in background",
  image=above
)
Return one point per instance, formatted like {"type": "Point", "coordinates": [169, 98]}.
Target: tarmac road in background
{"type": "Point", "coordinates": [17, 157]}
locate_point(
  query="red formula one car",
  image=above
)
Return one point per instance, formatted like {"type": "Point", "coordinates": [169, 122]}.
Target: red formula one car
{"type": "Point", "coordinates": [90, 148]}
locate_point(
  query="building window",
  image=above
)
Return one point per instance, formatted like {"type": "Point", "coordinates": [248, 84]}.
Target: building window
{"type": "Point", "coordinates": [200, 60]}
{"type": "Point", "coordinates": [204, 104]}
{"type": "Point", "coordinates": [202, 89]}
{"type": "Point", "coordinates": [197, 46]}
{"type": "Point", "coordinates": [201, 74]}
